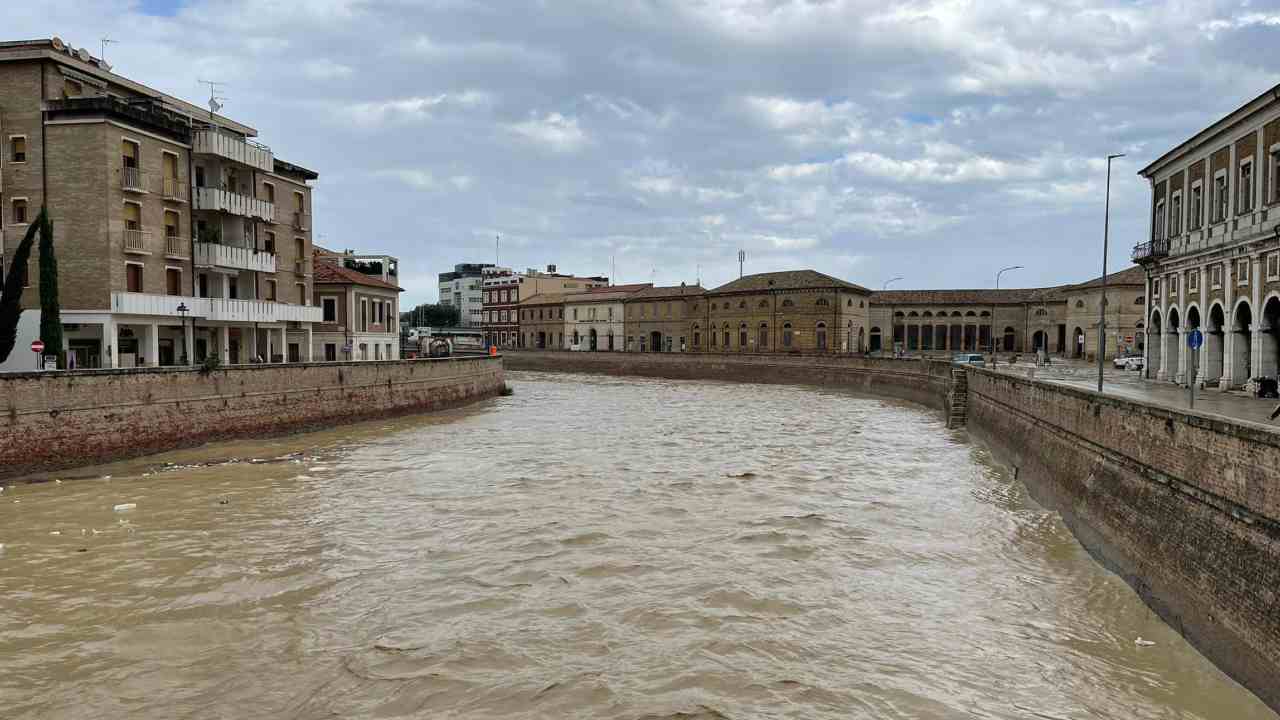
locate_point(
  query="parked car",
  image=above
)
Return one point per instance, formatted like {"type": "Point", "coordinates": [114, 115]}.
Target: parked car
{"type": "Point", "coordinates": [969, 359]}
{"type": "Point", "coordinates": [1121, 362]}
{"type": "Point", "coordinates": [1134, 362]}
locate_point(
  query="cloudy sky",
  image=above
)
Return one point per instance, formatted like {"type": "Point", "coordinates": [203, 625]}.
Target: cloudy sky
{"type": "Point", "coordinates": [933, 140]}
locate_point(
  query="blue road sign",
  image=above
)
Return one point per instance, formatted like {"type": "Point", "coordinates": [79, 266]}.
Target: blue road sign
{"type": "Point", "coordinates": [1195, 339]}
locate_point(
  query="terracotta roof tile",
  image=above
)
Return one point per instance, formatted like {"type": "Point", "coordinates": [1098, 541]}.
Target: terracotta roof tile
{"type": "Point", "coordinates": [669, 291]}
{"type": "Point", "coordinates": [332, 273]}
{"type": "Point", "coordinates": [786, 280]}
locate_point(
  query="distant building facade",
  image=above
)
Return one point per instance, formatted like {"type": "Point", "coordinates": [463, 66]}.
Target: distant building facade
{"type": "Point", "coordinates": [463, 288]}
{"type": "Point", "coordinates": [660, 319]}
{"type": "Point", "coordinates": [359, 305]}
{"type": "Point", "coordinates": [542, 322]}
{"type": "Point", "coordinates": [594, 319]}
{"type": "Point", "coordinates": [1213, 257]}
{"type": "Point", "coordinates": [790, 311]}
{"type": "Point", "coordinates": [503, 289]}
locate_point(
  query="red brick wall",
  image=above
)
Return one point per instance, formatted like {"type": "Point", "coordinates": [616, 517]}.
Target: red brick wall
{"type": "Point", "coordinates": [54, 421]}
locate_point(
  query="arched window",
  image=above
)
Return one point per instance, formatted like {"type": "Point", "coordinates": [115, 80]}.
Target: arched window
{"type": "Point", "coordinates": [1079, 303]}
{"type": "Point", "coordinates": [711, 336]}
{"type": "Point", "coordinates": [742, 336]}
{"type": "Point", "coordinates": [849, 303]}
{"type": "Point", "coordinates": [726, 336]}
{"type": "Point", "coordinates": [697, 336]}
{"type": "Point", "coordinates": [787, 303]}
{"type": "Point", "coordinates": [742, 304]}
{"type": "Point", "coordinates": [860, 304]}
{"type": "Point", "coordinates": [763, 341]}
{"type": "Point", "coordinates": [1139, 300]}
{"type": "Point", "coordinates": [1008, 339]}
{"type": "Point", "coordinates": [875, 340]}
{"type": "Point", "coordinates": [786, 335]}
{"type": "Point", "coordinates": [764, 304]}
{"type": "Point", "coordinates": [1042, 311]}
{"type": "Point", "coordinates": [822, 302]}
{"type": "Point", "coordinates": [820, 335]}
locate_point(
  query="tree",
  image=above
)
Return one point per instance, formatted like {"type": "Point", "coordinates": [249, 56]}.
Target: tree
{"type": "Point", "coordinates": [50, 309]}
{"type": "Point", "coordinates": [11, 296]}
{"type": "Point", "coordinates": [432, 315]}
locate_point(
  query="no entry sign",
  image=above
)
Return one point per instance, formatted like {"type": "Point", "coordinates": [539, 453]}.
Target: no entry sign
{"type": "Point", "coordinates": [37, 346]}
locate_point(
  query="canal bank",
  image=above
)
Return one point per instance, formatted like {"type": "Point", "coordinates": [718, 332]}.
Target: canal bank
{"type": "Point", "coordinates": [1183, 506]}
{"type": "Point", "coordinates": [61, 420]}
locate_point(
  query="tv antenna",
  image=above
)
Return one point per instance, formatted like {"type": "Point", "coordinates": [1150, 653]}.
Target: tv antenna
{"type": "Point", "coordinates": [742, 257]}
{"type": "Point", "coordinates": [215, 97]}
{"type": "Point", "coordinates": [105, 42]}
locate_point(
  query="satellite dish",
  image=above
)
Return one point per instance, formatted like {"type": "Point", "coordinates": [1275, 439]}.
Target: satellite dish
{"type": "Point", "coordinates": [83, 54]}
{"type": "Point", "coordinates": [214, 105]}
{"type": "Point", "coordinates": [58, 44]}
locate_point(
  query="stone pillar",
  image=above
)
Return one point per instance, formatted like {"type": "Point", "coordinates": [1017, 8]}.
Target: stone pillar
{"type": "Point", "coordinates": [1229, 335]}
{"type": "Point", "coordinates": [152, 333]}
{"type": "Point", "coordinates": [1255, 283]}
{"type": "Point", "coordinates": [224, 344]}
{"type": "Point", "coordinates": [284, 346]}
{"type": "Point", "coordinates": [110, 345]}
{"type": "Point", "coordinates": [1181, 376]}
{"type": "Point", "coordinates": [310, 355]}
{"type": "Point", "coordinates": [1163, 372]}
{"type": "Point", "coordinates": [189, 341]}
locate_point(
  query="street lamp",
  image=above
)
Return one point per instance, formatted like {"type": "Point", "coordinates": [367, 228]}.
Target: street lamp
{"type": "Point", "coordinates": [182, 313]}
{"type": "Point", "coordinates": [992, 332]}
{"type": "Point", "coordinates": [1102, 309]}
{"type": "Point", "coordinates": [893, 331]}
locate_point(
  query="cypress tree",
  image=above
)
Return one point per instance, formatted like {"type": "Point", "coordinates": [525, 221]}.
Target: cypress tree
{"type": "Point", "coordinates": [11, 295]}
{"type": "Point", "coordinates": [50, 309]}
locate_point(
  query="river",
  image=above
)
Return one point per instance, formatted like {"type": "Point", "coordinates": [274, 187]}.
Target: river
{"type": "Point", "coordinates": [589, 547]}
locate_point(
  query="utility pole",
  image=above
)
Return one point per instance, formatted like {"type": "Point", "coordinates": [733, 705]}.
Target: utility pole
{"type": "Point", "coordinates": [497, 250]}
{"type": "Point", "coordinates": [1102, 311]}
{"type": "Point", "coordinates": [893, 334]}
{"type": "Point", "coordinates": [742, 256]}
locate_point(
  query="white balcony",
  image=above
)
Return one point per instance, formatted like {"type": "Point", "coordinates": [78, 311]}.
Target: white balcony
{"type": "Point", "coordinates": [301, 221]}
{"type": "Point", "coordinates": [208, 198]}
{"type": "Point", "coordinates": [136, 241]}
{"type": "Point", "coordinates": [133, 180]}
{"type": "Point", "coordinates": [173, 189]}
{"type": "Point", "coordinates": [261, 311]}
{"type": "Point", "coordinates": [175, 246]}
{"type": "Point", "coordinates": [234, 148]}
{"type": "Point", "coordinates": [130, 303]}
{"type": "Point", "coordinates": [231, 256]}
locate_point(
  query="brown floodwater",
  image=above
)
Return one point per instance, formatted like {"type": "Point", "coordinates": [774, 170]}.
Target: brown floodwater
{"type": "Point", "coordinates": [588, 548]}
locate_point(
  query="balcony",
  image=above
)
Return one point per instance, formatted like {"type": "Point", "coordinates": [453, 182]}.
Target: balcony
{"type": "Point", "coordinates": [174, 189]}
{"type": "Point", "coordinates": [301, 221]}
{"type": "Point", "coordinates": [175, 247]}
{"type": "Point", "coordinates": [234, 148]}
{"type": "Point", "coordinates": [133, 180]}
{"type": "Point", "coordinates": [301, 267]}
{"type": "Point", "coordinates": [261, 311]}
{"type": "Point", "coordinates": [208, 198]}
{"type": "Point", "coordinates": [136, 241]}
{"type": "Point", "coordinates": [1151, 251]}
{"type": "Point", "coordinates": [231, 256]}
{"type": "Point", "coordinates": [130, 303]}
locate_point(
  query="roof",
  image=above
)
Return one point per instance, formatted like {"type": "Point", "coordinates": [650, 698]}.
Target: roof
{"type": "Point", "coordinates": [669, 291]}
{"type": "Point", "coordinates": [1133, 275]}
{"type": "Point", "coordinates": [1219, 126]}
{"type": "Point", "coordinates": [282, 167]}
{"type": "Point", "coordinates": [328, 273]}
{"type": "Point", "coordinates": [605, 294]}
{"type": "Point", "coordinates": [544, 299]}
{"type": "Point", "coordinates": [787, 280]}
{"type": "Point", "coordinates": [987, 296]}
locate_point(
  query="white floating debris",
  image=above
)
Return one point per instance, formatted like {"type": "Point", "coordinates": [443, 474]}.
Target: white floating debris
{"type": "Point", "coordinates": [1143, 643]}
{"type": "Point", "coordinates": [56, 532]}
{"type": "Point", "coordinates": [106, 477]}
{"type": "Point", "coordinates": [57, 481]}
{"type": "Point", "coordinates": [122, 507]}
{"type": "Point", "coordinates": [318, 468]}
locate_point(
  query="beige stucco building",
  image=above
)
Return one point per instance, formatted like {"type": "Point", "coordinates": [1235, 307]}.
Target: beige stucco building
{"type": "Point", "coordinates": [360, 307]}
{"type": "Point", "coordinates": [789, 311]}
{"type": "Point", "coordinates": [660, 319]}
{"type": "Point", "coordinates": [542, 322]}
{"type": "Point", "coordinates": [593, 320]}
{"type": "Point", "coordinates": [178, 235]}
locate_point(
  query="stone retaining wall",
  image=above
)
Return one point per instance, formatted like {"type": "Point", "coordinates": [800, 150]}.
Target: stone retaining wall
{"type": "Point", "coordinates": [59, 420]}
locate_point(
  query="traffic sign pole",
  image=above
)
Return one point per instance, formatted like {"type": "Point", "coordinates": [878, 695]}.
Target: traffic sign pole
{"type": "Point", "coordinates": [37, 347]}
{"type": "Point", "coordinates": [1195, 339]}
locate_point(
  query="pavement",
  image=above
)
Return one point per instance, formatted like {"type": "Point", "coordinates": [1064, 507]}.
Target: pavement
{"type": "Point", "coordinates": [1130, 384]}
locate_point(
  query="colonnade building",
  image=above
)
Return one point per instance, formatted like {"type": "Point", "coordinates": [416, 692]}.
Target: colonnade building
{"type": "Point", "coordinates": [1213, 257]}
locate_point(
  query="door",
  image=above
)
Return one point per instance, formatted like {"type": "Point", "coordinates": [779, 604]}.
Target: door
{"type": "Point", "coordinates": [166, 351]}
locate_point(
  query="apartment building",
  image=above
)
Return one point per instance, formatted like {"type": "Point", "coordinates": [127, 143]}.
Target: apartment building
{"type": "Point", "coordinates": [178, 235]}
{"type": "Point", "coordinates": [463, 288]}
{"type": "Point", "coordinates": [359, 304]}
{"type": "Point", "coordinates": [1213, 257]}
{"type": "Point", "coordinates": [503, 289]}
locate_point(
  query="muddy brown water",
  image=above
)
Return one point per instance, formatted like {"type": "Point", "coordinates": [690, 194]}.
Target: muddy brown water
{"type": "Point", "coordinates": [588, 548]}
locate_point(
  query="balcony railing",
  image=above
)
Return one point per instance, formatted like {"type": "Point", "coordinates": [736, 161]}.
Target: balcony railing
{"type": "Point", "coordinates": [133, 179]}
{"type": "Point", "coordinates": [1151, 251]}
{"type": "Point", "coordinates": [175, 246]}
{"type": "Point", "coordinates": [301, 221]}
{"type": "Point", "coordinates": [261, 311]}
{"type": "Point", "coordinates": [231, 256]}
{"type": "Point", "coordinates": [174, 189]}
{"type": "Point", "coordinates": [132, 303]}
{"type": "Point", "coordinates": [234, 148]}
{"type": "Point", "coordinates": [136, 240]}
{"type": "Point", "coordinates": [208, 198]}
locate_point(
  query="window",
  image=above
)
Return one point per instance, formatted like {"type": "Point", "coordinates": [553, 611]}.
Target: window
{"type": "Point", "coordinates": [202, 281]}
{"type": "Point", "coordinates": [269, 192]}
{"type": "Point", "coordinates": [1242, 272]}
{"type": "Point", "coordinates": [726, 337]}
{"type": "Point", "coordinates": [1155, 288]}
{"type": "Point", "coordinates": [1193, 281]}
{"type": "Point", "coordinates": [1175, 214]}
{"type": "Point", "coordinates": [233, 288]}
{"type": "Point", "coordinates": [1158, 225]}
{"type": "Point", "coordinates": [742, 335]}
{"type": "Point", "coordinates": [364, 315]}
{"type": "Point", "coordinates": [170, 167]}
{"type": "Point", "coordinates": [763, 304]}
{"type": "Point", "coordinates": [269, 241]}
{"type": "Point", "coordinates": [786, 334]}
{"type": "Point", "coordinates": [742, 304]}
{"type": "Point", "coordinates": [820, 334]}
{"type": "Point", "coordinates": [133, 277]}
{"type": "Point", "coordinates": [18, 148]}
{"type": "Point", "coordinates": [711, 336]}
{"type": "Point", "coordinates": [822, 302]}
{"type": "Point", "coordinates": [173, 281]}
{"type": "Point", "coordinates": [787, 303]}
{"type": "Point", "coordinates": [1220, 197]}
{"type": "Point", "coordinates": [763, 341]}
{"type": "Point", "coordinates": [1138, 300]}
{"type": "Point", "coordinates": [271, 290]}
{"type": "Point", "coordinates": [303, 297]}
{"type": "Point", "coordinates": [331, 352]}
{"type": "Point", "coordinates": [171, 222]}
{"type": "Point", "coordinates": [200, 176]}
{"type": "Point", "coordinates": [1246, 186]}
{"type": "Point", "coordinates": [575, 313]}
{"type": "Point", "coordinates": [697, 337]}
{"type": "Point", "coordinates": [330, 309]}
{"type": "Point", "coordinates": [1173, 284]}
{"type": "Point", "coordinates": [1197, 206]}
{"type": "Point", "coordinates": [1273, 266]}
{"type": "Point", "coordinates": [19, 214]}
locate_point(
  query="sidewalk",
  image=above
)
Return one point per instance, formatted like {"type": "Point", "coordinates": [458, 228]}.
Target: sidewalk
{"type": "Point", "coordinates": [1130, 384]}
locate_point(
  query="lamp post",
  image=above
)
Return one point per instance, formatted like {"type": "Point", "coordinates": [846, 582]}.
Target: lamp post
{"type": "Point", "coordinates": [992, 332]}
{"type": "Point", "coordinates": [1102, 309]}
{"type": "Point", "coordinates": [893, 334]}
{"type": "Point", "coordinates": [182, 313]}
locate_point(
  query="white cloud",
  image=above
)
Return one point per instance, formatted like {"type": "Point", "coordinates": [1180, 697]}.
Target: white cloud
{"type": "Point", "coordinates": [553, 131]}
{"type": "Point", "coordinates": [326, 69]}
{"type": "Point", "coordinates": [418, 179]}
{"type": "Point", "coordinates": [411, 109]}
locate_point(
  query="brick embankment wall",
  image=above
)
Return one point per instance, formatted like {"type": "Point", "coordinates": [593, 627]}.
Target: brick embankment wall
{"type": "Point", "coordinates": [53, 421]}
{"type": "Point", "coordinates": [921, 381]}
{"type": "Point", "coordinates": [1184, 506]}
